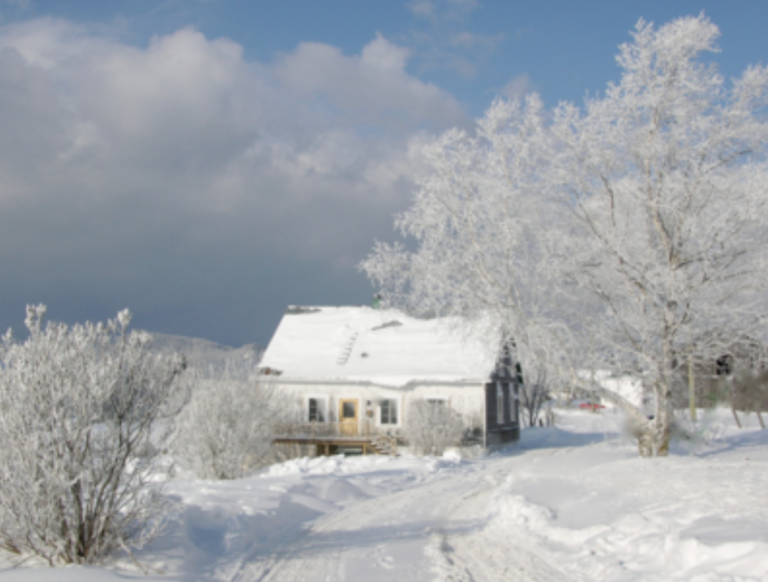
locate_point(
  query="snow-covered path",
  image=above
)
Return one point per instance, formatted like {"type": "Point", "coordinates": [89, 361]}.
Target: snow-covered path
{"type": "Point", "coordinates": [430, 531]}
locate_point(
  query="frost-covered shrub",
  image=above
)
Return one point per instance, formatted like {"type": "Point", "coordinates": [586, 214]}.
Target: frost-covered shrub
{"type": "Point", "coordinates": [77, 406]}
{"type": "Point", "coordinates": [225, 432]}
{"type": "Point", "coordinates": [432, 426]}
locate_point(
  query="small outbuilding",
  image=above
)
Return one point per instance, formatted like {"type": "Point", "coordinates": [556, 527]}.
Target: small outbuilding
{"type": "Point", "coordinates": [351, 374]}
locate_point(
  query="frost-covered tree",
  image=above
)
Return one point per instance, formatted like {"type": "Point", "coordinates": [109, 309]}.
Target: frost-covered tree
{"type": "Point", "coordinates": [617, 235]}
{"type": "Point", "coordinates": [81, 409]}
{"type": "Point", "coordinates": [534, 396]}
{"type": "Point", "coordinates": [665, 176]}
{"type": "Point", "coordinates": [482, 221]}
{"type": "Point", "coordinates": [431, 427]}
{"type": "Point", "coordinates": [226, 430]}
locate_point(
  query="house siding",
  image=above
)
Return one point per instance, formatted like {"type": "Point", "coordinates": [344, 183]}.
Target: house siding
{"type": "Point", "coordinates": [465, 398]}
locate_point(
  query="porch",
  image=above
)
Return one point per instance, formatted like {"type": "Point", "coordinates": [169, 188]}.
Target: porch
{"type": "Point", "coordinates": [331, 438]}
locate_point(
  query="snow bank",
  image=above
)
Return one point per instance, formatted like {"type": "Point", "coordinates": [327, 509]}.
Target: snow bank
{"type": "Point", "coordinates": [336, 465]}
{"type": "Point", "coordinates": [341, 465]}
{"type": "Point", "coordinates": [604, 514]}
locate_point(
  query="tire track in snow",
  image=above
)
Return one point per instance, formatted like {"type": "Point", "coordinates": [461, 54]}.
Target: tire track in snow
{"type": "Point", "coordinates": [481, 556]}
{"type": "Point", "coordinates": [362, 530]}
{"type": "Point", "coordinates": [435, 530]}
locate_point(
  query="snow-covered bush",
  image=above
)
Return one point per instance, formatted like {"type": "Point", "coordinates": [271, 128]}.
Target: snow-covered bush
{"type": "Point", "coordinates": [79, 407]}
{"type": "Point", "coordinates": [226, 430]}
{"type": "Point", "coordinates": [432, 426]}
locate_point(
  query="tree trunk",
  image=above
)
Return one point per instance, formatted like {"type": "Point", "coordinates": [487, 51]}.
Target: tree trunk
{"type": "Point", "coordinates": [662, 422]}
{"type": "Point", "coordinates": [645, 443]}
{"type": "Point", "coordinates": [654, 434]}
{"type": "Point", "coordinates": [691, 388]}
{"type": "Point", "coordinates": [653, 440]}
{"type": "Point", "coordinates": [661, 440]}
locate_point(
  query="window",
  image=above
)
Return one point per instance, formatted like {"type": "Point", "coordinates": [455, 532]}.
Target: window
{"type": "Point", "coordinates": [388, 412]}
{"type": "Point", "coordinates": [316, 407]}
{"type": "Point", "coordinates": [499, 404]}
{"type": "Point", "coordinates": [437, 401]}
{"type": "Point", "coordinates": [348, 410]}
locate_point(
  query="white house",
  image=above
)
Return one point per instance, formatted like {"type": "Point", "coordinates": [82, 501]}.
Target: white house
{"type": "Point", "coordinates": [353, 371]}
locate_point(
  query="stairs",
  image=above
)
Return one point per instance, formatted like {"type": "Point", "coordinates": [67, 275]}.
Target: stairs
{"type": "Point", "coordinates": [384, 445]}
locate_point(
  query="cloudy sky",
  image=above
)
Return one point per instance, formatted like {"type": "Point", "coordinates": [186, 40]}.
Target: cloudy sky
{"type": "Point", "coordinates": [208, 162]}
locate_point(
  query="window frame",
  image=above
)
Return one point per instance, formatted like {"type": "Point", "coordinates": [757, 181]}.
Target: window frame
{"type": "Point", "coordinates": [393, 405]}
{"type": "Point", "coordinates": [319, 399]}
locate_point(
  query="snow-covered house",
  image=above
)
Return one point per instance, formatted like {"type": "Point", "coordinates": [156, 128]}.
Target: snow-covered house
{"type": "Point", "coordinates": [352, 372]}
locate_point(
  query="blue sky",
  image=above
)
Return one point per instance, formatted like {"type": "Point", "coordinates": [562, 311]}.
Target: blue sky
{"type": "Point", "coordinates": [208, 162]}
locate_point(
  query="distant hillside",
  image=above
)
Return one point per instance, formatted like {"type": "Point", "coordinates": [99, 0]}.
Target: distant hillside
{"type": "Point", "coordinates": [206, 354]}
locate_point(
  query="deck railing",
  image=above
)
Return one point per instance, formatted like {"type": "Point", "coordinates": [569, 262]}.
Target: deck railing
{"type": "Point", "coordinates": [363, 429]}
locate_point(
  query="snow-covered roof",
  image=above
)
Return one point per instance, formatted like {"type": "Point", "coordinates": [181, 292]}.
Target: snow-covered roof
{"type": "Point", "coordinates": [380, 346]}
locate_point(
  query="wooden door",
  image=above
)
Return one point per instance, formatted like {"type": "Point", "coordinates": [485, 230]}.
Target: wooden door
{"type": "Point", "coordinates": [348, 416]}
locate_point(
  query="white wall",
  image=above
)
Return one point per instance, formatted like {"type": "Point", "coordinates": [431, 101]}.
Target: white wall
{"type": "Point", "coordinates": [467, 400]}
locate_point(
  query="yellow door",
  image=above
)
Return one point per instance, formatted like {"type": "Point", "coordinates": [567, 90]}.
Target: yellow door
{"type": "Point", "coordinates": [348, 416]}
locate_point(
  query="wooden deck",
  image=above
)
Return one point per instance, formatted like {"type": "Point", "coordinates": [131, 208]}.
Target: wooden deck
{"type": "Point", "coordinates": [329, 440]}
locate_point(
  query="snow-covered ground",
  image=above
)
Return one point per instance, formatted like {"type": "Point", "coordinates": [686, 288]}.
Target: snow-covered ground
{"type": "Point", "coordinates": [571, 503]}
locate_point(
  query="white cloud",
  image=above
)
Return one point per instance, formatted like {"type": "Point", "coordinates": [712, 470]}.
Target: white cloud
{"type": "Point", "coordinates": [372, 88]}
{"type": "Point", "coordinates": [464, 4]}
{"type": "Point", "coordinates": [446, 43]}
{"type": "Point", "coordinates": [423, 8]}
{"type": "Point", "coordinates": [441, 9]}
{"type": "Point", "coordinates": [23, 4]}
{"type": "Point", "coordinates": [383, 54]}
{"type": "Point", "coordinates": [121, 166]}
{"type": "Point", "coordinates": [190, 108]}
{"type": "Point", "coordinates": [469, 40]}
{"type": "Point", "coordinates": [48, 42]}
{"type": "Point", "coordinates": [517, 87]}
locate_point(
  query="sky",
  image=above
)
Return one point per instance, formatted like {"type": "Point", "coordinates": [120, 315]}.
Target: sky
{"type": "Point", "coordinates": [207, 163]}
